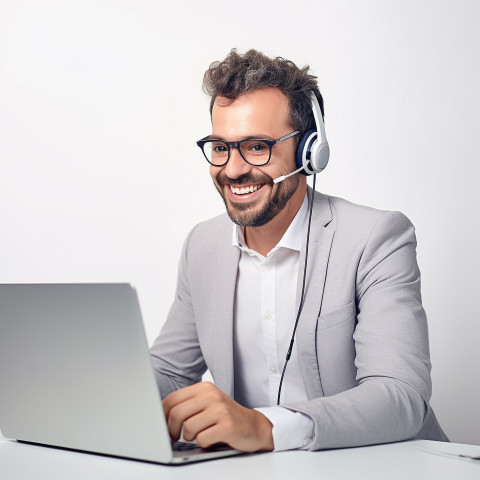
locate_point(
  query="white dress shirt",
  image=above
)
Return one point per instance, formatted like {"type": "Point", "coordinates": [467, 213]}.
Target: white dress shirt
{"type": "Point", "coordinates": [264, 317]}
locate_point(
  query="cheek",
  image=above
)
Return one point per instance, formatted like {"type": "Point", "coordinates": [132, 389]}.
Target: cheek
{"type": "Point", "coordinates": [285, 162]}
{"type": "Point", "coordinates": [214, 172]}
{"type": "Point", "coordinates": [281, 166]}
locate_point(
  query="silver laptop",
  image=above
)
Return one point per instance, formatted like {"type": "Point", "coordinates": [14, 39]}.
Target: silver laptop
{"type": "Point", "coordinates": [75, 372]}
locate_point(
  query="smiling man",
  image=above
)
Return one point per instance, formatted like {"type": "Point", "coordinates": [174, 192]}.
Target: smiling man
{"type": "Point", "coordinates": [358, 370]}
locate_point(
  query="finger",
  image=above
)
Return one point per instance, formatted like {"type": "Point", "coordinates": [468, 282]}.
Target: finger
{"type": "Point", "coordinates": [197, 391]}
{"type": "Point", "coordinates": [174, 398]}
{"type": "Point", "coordinates": [181, 412]}
{"type": "Point", "coordinates": [197, 423]}
{"type": "Point", "coordinates": [184, 394]}
{"type": "Point", "coordinates": [210, 436]}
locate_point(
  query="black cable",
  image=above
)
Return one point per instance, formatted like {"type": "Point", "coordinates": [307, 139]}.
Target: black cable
{"type": "Point", "coordinates": [302, 297]}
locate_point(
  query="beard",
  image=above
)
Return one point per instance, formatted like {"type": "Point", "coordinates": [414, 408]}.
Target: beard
{"type": "Point", "coordinates": [253, 214]}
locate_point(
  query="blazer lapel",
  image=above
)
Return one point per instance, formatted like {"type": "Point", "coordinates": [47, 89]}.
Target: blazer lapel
{"type": "Point", "coordinates": [223, 335]}
{"type": "Point", "coordinates": [321, 237]}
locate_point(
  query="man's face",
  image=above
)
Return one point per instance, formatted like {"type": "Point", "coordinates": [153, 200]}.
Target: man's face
{"type": "Point", "coordinates": [263, 113]}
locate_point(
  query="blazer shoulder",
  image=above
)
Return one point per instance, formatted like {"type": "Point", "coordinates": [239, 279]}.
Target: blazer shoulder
{"type": "Point", "coordinates": [363, 219]}
{"type": "Point", "coordinates": [210, 235]}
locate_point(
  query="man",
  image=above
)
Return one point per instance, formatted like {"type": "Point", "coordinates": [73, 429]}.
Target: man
{"type": "Point", "coordinates": [359, 372]}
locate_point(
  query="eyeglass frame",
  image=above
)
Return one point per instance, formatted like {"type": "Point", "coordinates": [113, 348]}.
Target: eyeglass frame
{"type": "Point", "coordinates": [201, 143]}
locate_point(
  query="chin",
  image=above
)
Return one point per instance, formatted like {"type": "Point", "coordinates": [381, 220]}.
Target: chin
{"type": "Point", "coordinates": [251, 217]}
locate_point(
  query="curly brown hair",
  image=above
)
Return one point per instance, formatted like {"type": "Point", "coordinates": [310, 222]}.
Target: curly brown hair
{"type": "Point", "coordinates": [239, 74]}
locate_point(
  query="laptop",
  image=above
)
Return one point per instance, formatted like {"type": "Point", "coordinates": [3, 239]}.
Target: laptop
{"type": "Point", "coordinates": [75, 372]}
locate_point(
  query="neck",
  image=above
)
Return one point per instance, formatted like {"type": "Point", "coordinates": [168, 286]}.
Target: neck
{"type": "Point", "coordinates": [263, 239]}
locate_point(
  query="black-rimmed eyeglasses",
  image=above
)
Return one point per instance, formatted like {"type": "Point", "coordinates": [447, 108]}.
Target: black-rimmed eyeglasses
{"type": "Point", "coordinates": [255, 151]}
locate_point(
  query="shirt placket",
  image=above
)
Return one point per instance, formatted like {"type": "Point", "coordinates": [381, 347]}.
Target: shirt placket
{"type": "Point", "coordinates": [268, 319]}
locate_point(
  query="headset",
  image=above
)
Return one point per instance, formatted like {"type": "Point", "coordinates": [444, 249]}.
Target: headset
{"type": "Point", "coordinates": [311, 157]}
{"type": "Point", "coordinates": [313, 151]}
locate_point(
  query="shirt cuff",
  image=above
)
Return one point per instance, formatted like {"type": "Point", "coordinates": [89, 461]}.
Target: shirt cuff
{"type": "Point", "coordinates": [291, 430]}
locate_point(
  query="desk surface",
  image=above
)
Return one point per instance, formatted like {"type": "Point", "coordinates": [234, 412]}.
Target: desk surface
{"type": "Point", "coordinates": [405, 460]}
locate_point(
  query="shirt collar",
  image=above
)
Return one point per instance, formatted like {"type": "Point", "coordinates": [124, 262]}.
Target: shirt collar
{"type": "Point", "coordinates": [291, 239]}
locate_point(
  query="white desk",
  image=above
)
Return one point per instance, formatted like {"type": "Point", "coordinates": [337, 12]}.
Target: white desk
{"type": "Point", "coordinates": [405, 461]}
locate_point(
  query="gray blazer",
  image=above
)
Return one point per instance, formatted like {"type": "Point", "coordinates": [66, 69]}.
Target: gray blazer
{"type": "Point", "coordinates": [362, 337]}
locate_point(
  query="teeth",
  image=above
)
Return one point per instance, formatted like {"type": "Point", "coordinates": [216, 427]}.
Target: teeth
{"type": "Point", "coordinates": [244, 190]}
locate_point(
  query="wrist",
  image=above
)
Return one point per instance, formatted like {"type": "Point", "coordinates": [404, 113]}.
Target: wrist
{"type": "Point", "coordinates": [264, 432]}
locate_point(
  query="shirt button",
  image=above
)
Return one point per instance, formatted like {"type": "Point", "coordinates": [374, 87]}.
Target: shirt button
{"type": "Point", "coordinates": [267, 267]}
{"type": "Point", "coordinates": [273, 369]}
{"type": "Point", "coordinates": [268, 316]}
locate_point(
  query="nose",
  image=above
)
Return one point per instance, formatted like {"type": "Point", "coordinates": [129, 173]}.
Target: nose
{"type": "Point", "coordinates": [236, 165]}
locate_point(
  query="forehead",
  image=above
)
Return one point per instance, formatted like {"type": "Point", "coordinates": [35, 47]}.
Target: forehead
{"type": "Point", "coordinates": [265, 111]}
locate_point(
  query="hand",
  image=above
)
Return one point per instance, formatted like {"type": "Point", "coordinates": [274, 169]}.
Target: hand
{"type": "Point", "coordinates": [210, 416]}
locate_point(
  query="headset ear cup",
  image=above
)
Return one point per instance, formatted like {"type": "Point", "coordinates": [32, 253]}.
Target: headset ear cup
{"type": "Point", "coordinates": [319, 155]}
{"type": "Point", "coordinates": [303, 151]}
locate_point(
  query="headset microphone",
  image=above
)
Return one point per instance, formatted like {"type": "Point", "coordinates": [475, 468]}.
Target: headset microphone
{"type": "Point", "coordinates": [282, 178]}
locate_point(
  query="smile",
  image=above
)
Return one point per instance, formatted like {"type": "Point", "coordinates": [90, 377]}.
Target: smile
{"type": "Point", "coordinates": [244, 190]}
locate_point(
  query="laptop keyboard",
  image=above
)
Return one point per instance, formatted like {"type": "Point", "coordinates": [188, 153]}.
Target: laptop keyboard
{"type": "Point", "coordinates": [183, 446]}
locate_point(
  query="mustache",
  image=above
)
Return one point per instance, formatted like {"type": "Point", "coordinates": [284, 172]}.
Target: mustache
{"type": "Point", "coordinates": [245, 179]}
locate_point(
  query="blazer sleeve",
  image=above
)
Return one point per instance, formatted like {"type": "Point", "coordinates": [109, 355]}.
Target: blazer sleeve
{"type": "Point", "coordinates": [390, 401]}
{"type": "Point", "coordinates": [176, 355]}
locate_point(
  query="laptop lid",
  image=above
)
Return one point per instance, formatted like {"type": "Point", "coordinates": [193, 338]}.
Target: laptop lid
{"type": "Point", "coordinates": [75, 371]}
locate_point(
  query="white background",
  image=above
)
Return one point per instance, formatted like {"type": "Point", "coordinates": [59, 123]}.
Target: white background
{"type": "Point", "coordinates": [101, 105]}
